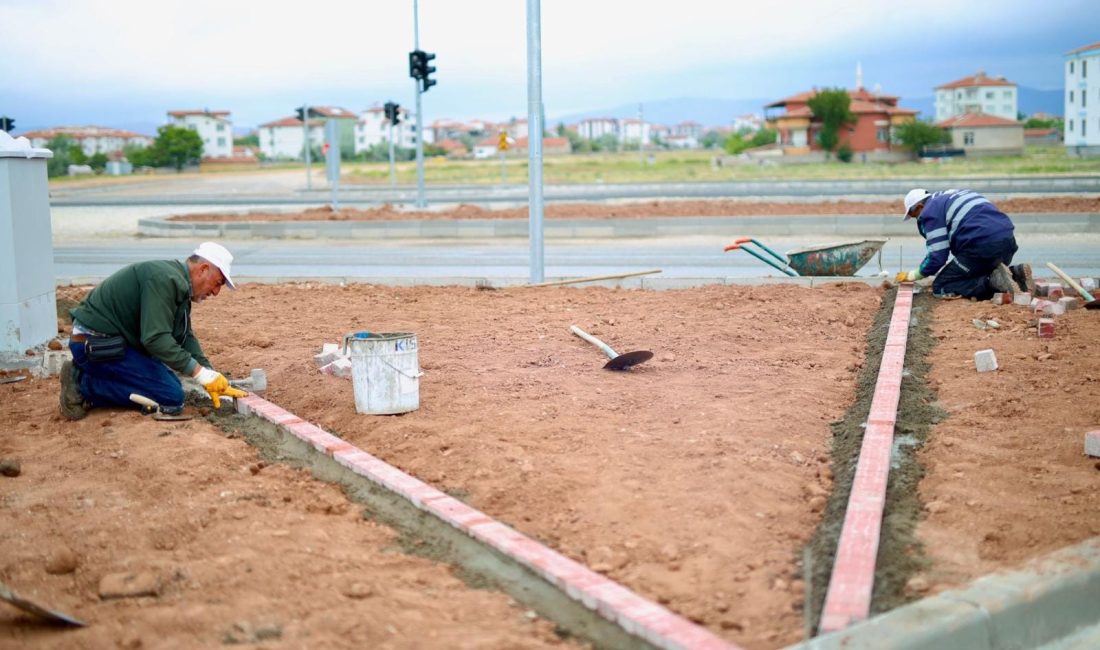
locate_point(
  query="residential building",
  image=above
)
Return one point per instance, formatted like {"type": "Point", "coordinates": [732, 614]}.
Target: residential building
{"type": "Point", "coordinates": [689, 128]}
{"type": "Point", "coordinates": [550, 146]}
{"type": "Point", "coordinates": [486, 148]}
{"type": "Point", "coordinates": [373, 128]}
{"type": "Point", "coordinates": [877, 116]}
{"type": "Point", "coordinates": [92, 139]}
{"type": "Point", "coordinates": [282, 139]}
{"type": "Point", "coordinates": [977, 94]}
{"type": "Point", "coordinates": [747, 122]}
{"type": "Point", "coordinates": [214, 127]}
{"type": "Point", "coordinates": [633, 131]}
{"type": "Point", "coordinates": [1082, 114]}
{"type": "Point", "coordinates": [979, 134]}
{"type": "Point", "coordinates": [594, 128]}
{"type": "Point", "coordinates": [681, 142]}
{"type": "Point", "coordinates": [454, 148]}
{"type": "Point", "coordinates": [346, 122]}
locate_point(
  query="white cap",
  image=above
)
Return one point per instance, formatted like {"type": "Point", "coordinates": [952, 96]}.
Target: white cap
{"type": "Point", "coordinates": [217, 255]}
{"type": "Point", "coordinates": [914, 197]}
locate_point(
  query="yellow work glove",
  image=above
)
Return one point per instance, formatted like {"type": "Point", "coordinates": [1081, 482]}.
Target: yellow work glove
{"type": "Point", "coordinates": [908, 276]}
{"type": "Point", "coordinates": [217, 385]}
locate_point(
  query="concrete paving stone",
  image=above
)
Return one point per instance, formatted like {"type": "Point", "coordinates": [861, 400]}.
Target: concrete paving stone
{"type": "Point", "coordinates": [1092, 443]}
{"type": "Point", "coordinates": [985, 360]}
{"type": "Point", "coordinates": [1046, 328]}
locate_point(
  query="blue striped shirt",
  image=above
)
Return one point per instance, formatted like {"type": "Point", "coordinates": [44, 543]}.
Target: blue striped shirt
{"type": "Point", "coordinates": [955, 221]}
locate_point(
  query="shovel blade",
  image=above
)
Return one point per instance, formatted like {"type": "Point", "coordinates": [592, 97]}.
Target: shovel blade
{"type": "Point", "coordinates": [627, 359]}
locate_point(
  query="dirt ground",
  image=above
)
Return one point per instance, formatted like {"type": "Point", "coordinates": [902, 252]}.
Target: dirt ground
{"type": "Point", "coordinates": [625, 210]}
{"type": "Point", "coordinates": [695, 479]}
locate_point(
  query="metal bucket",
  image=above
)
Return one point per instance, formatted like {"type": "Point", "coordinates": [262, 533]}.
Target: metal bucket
{"type": "Point", "coordinates": [385, 372]}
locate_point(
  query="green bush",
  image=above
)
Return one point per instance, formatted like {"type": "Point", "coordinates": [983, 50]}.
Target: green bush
{"type": "Point", "coordinates": [844, 153]}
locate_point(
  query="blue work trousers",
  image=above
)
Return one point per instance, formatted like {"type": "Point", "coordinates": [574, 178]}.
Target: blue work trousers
{"type": "Point", "coordinates": [967, 274]}
{"type": "Point", "coordinates": [110, 383]}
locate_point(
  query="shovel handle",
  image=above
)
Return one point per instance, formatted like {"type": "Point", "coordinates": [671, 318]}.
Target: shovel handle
{"type": "Point", "coordinates": [143, 400]}
{"type": "Point", "coordinates": [594, 341]}
{"type": "Point", "coordinates": [1071, 282]}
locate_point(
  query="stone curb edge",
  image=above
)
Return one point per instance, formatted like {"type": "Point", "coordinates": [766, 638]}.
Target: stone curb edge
{"type": "Point", "coordinates": [612, 601]}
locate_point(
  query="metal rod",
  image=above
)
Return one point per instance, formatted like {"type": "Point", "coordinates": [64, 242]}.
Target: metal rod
{"type": "Point", "coordinates": [420, 202]}
{"type": "Point", "coordinates": [767, 261]}
{"type": "Point", "coordinates": [781, 258]}
{"type": "Point", "coordinates": [393, 170]}
{"type": "Point", "coordinates": [534, 137]}
{"type": "Point", "coordinates": [593, 278]}
{"type": "Point", "coordinates": [305, 131]}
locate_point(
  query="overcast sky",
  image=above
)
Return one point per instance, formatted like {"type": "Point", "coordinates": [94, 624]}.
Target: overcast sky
{"type": "Point", "coordinates": [114, 62]}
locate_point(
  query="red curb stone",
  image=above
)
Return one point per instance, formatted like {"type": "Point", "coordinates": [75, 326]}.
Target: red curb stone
{"type": "Point", "coordinates": [849, 596]}
{"type": "Point", "coordinates": [611, 600]}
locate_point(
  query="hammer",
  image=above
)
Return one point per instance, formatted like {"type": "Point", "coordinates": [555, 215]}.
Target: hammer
{"type": "Point", "coordinates": [255, 382]}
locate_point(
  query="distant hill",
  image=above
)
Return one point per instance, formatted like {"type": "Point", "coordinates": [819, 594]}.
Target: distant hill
{"type": "Point", "coordinates": [708, 111]}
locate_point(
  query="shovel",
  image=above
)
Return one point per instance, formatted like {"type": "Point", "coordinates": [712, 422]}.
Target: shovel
{"type": "Point", "coordinates": [34, 608]}
{"type": "Point", "coordinates": [1090, 302]}
{"type": "Point", "coordinates": [618, 361]}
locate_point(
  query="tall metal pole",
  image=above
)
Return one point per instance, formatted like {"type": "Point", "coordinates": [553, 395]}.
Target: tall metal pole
{"type": "Point", "coordinates": [534, 137]}
{"type": "Point", "coordinates": [305, 131]}
{"type": "Point", "coordinates": [393, 173]}
{"type": "Point", "coordinates": [420, 202]}
{"type": "Point", "coordinates": [641, 134]}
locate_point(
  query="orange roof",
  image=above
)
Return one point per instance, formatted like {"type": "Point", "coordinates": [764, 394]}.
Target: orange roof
{"type": "Point", "coordinates": [290, 121]}
{"type": "Point", "coordinates": [521, 143]}
{"type": "Point", "coordinates": [858, 94]}
{"type": "Point", "coordinates": [330, 111]}
{"type": "Point", "coordinates": [1094, 46]}
{"type": "Point", "coordinates": [976, 119]}
{"type": "Point", "coordinates": [451, 146]}
{"type": "Point", "coordinates": [979, 79]}
{"type": "Point", "coordinates": [82, 132]}
{"type": "Point", "coordinates": [210, 113]}
{"type": "Point", "coordinates": [1039, 133]}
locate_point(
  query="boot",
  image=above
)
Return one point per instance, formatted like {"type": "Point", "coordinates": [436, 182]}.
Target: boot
{"type": "Point", "coordinates": [1001, 279]}
{"type": "Point", "coordinates": [1021, 273]}
{"type": "Point", "coordinates": [72, 401]}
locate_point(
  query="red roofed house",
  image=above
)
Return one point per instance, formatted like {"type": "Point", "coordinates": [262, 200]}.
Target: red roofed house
{"type": "Point", "coordinates": [977, 94]}
{"type": "Point", "coordinates": [92, 139]}
{"type": "Point", "coordinates": [282, 139]}
{"type": "Point", "coordinates": [872, 133]}
{"type": "Point", "coordinates": [979, 134]}
{"type": "Point", "coordinates": [214, 127]}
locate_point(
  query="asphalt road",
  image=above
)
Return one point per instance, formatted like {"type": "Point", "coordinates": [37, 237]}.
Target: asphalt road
{"type": "Point", "coordinates": [507, 260]}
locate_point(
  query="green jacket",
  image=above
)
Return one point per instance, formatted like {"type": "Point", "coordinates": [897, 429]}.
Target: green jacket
{"type": "Point", "coordinates": [149, 305]}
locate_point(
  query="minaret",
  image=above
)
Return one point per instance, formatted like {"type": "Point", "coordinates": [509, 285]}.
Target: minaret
{"type": "Point", "coordinates": [859, 76]}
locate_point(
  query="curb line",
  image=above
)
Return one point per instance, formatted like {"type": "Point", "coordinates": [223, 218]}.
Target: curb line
{"type": "Point", "coordinates": [848, 599]}
{"type": "Point", "coordinates": [635, 615]}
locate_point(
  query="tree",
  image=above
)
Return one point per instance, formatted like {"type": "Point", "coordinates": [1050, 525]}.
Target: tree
{"type": "Point", "coordinates": [711, 139]}
{"type": "Point", "coordinates": [64, 151]}
{"type": "Point", "coordinates": [139, 156]}
{"type": "Point", "coordinates": [833, 108]}
{"type": "Point", "coordinates": [738, 142]}
{"type": "Point", "coordinates": [918, 134]}
{"type": "Point", "coordinates": [176, 146]}
{"type": "Point", "coordinates": [250, 140]}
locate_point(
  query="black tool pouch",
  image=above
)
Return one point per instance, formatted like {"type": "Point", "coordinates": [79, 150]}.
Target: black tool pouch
{"type": "Point", "coordinates": [105, 348]}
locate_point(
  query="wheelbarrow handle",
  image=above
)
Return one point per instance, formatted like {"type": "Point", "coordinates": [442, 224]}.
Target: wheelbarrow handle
{"type": "Point", "coordinates": [763, 259]}
{"type": "Point", "coordinates": [782, 259]}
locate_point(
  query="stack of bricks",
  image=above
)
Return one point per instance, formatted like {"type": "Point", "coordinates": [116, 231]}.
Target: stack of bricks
{"type": "Point", "coordinates": [333, 361]}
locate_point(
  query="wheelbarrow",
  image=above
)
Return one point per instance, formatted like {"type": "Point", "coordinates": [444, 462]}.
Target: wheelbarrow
{"type": "Point", "coordinates": [835, 259]}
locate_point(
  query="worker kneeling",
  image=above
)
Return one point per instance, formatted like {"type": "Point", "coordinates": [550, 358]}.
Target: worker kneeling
{"type": "Point", "coordinates": [979, 239]}
{"type": "Point", "coordinates": [134, 329]}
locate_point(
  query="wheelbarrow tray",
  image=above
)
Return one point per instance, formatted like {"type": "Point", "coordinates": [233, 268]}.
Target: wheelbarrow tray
{"type": "Point", "coordinates": [835, 259]}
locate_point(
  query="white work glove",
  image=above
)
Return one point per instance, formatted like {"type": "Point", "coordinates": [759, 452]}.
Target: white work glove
{"type": "Point", "coordinates": [216, 385]}
{"type": "Point", "coordinates": [908, 276]}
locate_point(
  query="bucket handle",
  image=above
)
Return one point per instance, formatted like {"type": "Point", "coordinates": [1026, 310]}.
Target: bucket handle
{"type": "Point", "coordinates": [399, 371]}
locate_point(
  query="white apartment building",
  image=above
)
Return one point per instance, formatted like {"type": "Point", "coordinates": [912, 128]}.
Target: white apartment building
{"type": "Point", "coordinates": [1082, 114]}
{"type": "Point", "coordinates": [92, 139]}
{"type": "Point", "coordinates": [632, 131]}
{"type": "Point", "coordinates": [747, 122]}
{"type": "Point", "coordinates": [373, 128]}
{"type": "Point", "coordinates": [214, 127]}
{"type": "Point", "coordinates": [594, 128]}
{"type": "Point", "coordinates": [977, 94]}
{"type": "Point", "coordinates": [282, 139]}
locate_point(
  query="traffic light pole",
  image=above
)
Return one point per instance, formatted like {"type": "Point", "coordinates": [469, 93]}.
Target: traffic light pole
{"type": "Point", "coordinates": [420, 202]}
{"type": "Point", "coordinates": [305, 132]}
{"type": "Point", "coordinates": [393, 171]}
{"type": "Point", "coordinates": [534, 137]}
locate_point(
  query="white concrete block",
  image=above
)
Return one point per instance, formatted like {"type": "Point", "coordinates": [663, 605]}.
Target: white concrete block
{"type": "Point", "coordinates": [1092, 443]}
{"type": "Point", "coordinates": [1067, 303]}
{"type": "Point", "coordinates": [1022, 298]}
{"type": "Point", "coordinates": [985, 360]}
{"type": "Point", "coordinates": [341, 367]}
{"type": "Point", "coordinates": [330, 347]}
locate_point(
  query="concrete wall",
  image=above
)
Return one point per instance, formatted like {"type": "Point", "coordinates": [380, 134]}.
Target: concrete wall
{"type": "Point", "coordinates": [990, 140]}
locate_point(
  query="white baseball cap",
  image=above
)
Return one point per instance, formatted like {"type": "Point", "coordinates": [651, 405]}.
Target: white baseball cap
{"type": "Point", "coordinates": [914, 197]}
{"type": "Point", "coordinates": [217, 255]}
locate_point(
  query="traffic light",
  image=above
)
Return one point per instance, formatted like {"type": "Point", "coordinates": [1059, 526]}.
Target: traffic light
{"type": "Point", "coordinates": [393, 113]}
{"type": "Point", "coordinates": [7, 123]}
{"type": "Point", "coordinates": [420, 70]}
{"type": "Point", "coordinates": [301, 113]}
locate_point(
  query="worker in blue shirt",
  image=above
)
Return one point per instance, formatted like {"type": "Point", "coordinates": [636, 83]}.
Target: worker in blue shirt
{"type": "Point", "coordinates": [978, 238]}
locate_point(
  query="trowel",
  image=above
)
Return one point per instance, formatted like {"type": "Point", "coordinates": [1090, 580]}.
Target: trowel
{"type": "Point", "coordinates": [149, 406]}
{"type": "Point", "coordinates": [34, 608]}
{"type": "Point", "coordinates": [618, 361]}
